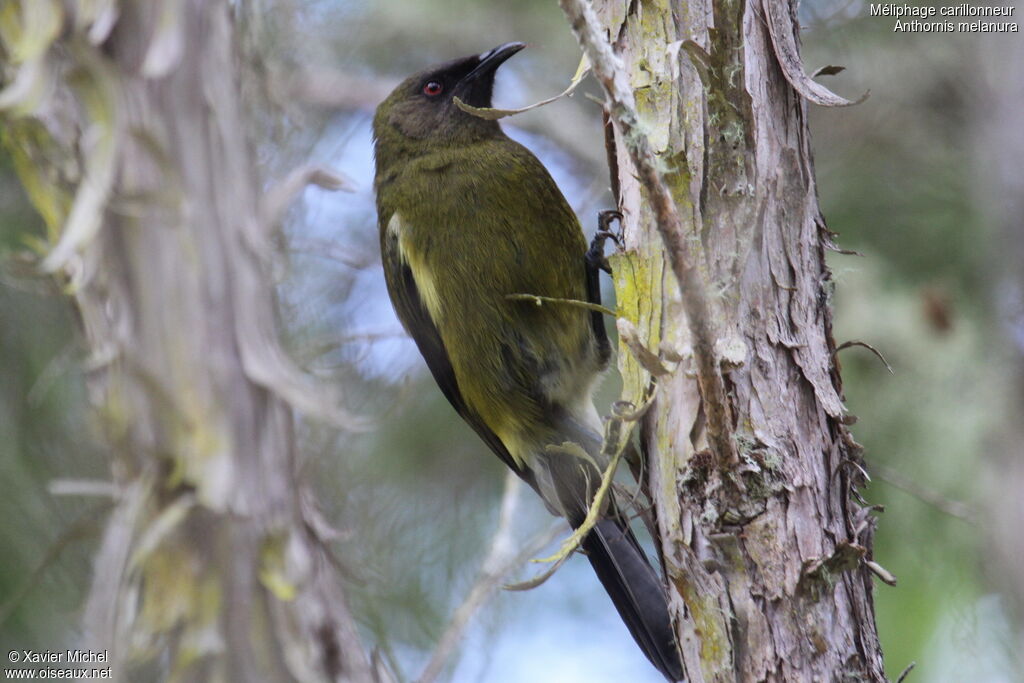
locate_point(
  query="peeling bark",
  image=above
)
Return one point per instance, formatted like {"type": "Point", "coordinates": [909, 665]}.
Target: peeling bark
{"type": "Point", "coordinates": [768, 559]}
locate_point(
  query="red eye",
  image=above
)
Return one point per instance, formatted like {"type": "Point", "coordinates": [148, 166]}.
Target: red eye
{"type": "Point", "coordinates": [433, 89]}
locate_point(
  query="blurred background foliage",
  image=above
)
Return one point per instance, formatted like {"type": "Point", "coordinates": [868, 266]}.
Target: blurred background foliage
{"type": "Point", "coordinates": [900, 179]}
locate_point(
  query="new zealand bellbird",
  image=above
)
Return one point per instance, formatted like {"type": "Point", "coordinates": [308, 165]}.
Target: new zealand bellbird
{"type": "Point", "coordinates": [468, 217]}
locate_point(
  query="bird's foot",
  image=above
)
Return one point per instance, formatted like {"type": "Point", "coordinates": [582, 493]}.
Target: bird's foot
{"type": "Point", "coordinates": [595, 254]}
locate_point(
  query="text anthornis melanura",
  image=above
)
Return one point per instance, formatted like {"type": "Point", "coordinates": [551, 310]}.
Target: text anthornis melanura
{"type": "Point", "coordinates": [468, 217]}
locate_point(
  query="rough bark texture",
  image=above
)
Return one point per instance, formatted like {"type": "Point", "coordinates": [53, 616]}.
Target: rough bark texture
{"type": "Point", "coordinates": [125, 123]}
{"type": "Point", "coordinates": [767, 559]}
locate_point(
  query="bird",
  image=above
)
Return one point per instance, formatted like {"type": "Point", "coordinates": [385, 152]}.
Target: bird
{"type": "Point", "coordinates": [469, 218]}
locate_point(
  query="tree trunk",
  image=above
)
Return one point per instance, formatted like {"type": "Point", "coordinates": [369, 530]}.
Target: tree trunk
{"type": "Point", "coordinates": [126, 126]}
{"type": "Point", "coordinates": [751, 468]}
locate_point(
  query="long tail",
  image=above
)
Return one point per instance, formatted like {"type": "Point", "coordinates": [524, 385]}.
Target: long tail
{"type": "Point", "coordinates": [637, 592]}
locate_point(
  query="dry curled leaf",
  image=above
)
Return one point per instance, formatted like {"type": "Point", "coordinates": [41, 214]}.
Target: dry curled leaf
{"type": "Point", "coordinates": [492, 114]}
{"type": "Point", "coordinates": [828, 70]}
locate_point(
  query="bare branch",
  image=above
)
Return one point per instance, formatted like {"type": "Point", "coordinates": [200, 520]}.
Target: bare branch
{"type": "Point", "coordinates": [614, 446]}
{"type": "Point", "coordinates": [335, 251]}
{"type": "Point", "coordinates": [906, 672]}
{"type": "Point", "coordinates": [330, 88]}
{"type": "Point", "coordinates": [881, 572]}
{"type": "Point", "coordinates": [97, 488]}
{"type": "Point", "coordinates": [869, 347]}
{"type": "Point", "coordinates": [82, 527]}
{"type": "Point", "coordinates": [622, 111]}
{"type": "Point", "coordinates": [554, 300]}
{"type": "Point", "coordinates": [500, 561]}
{"type": "Point", "coordinates": [277, 199]}
{"type": "Point", "coordinates": [953, 508]}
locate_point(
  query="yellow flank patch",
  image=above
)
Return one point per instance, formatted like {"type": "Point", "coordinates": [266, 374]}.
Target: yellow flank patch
{"type": "Point", "coordinates": [420, 271]}
{"type": "Point", "coordinates": [395, 225]}
{"type": "Point", "coordinates": [520, 451]}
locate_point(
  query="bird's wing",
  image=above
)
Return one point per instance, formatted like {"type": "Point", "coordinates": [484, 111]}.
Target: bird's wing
{"type": "Point", "coordinates": [417, 321]}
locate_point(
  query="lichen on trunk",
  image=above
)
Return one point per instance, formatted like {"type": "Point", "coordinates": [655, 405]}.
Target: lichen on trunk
{"type": "Point", "coordinates": [767, 557]}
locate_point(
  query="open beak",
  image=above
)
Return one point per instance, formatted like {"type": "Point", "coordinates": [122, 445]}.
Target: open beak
{"type": "Point", "coordinates": [475, 88]}
{"type": "Point", "coordinates": [492, 59]}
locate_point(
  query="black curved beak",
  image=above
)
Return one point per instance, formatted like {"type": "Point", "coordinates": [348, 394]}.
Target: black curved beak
{"type": "Point", "coordinates": [475, 87]}
{"type": "Point", "coordinates": [492, 59]}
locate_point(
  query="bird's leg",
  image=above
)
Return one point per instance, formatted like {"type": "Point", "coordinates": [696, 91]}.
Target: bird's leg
{"type": "Point", "coordinates": [596, 262]}
{"type": "Point", "coordinates": [595, 255]}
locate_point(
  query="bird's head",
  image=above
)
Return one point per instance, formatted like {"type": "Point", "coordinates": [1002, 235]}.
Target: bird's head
{"type": "Point", "coordinates": [423, 107]}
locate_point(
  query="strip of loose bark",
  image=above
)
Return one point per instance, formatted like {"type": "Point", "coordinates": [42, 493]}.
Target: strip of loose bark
{"type": "Point", "coordinates": [622, 111]}
{"type": "Point", "coordinates": [785, 42]}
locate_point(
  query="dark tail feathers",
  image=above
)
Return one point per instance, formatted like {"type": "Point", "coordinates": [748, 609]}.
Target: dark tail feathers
{"type": "Point", "coordinates": [637, 592]}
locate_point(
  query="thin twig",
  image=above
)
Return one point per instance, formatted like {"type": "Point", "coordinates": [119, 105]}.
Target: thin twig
{"type": "Point", "coordinates": [278, 197]}
{"type": "Point", "coordinates": [869, 347]}
{"type": "Point", "coordinates": [906, 672]}
{"type": "Point", "coordinates": [613, 447]}
{"type": "Point", "coordinates": [84, 525]}
{"type": "Point", "coordinates": [954, 508]}
{"type": "Point", "coordinates": [554, 300]}
{"type": "Point", "coordinates": [622, 111]}
{"type": "Point", "coordinates": [332, 250]}
{"type": "Point", "coordinates": [570, 545]}
{"type": "Point", "coordinates": [98, 488]}
{"type": "Point", "coordinates": [881, 572]}
{"type": "Point", "coordinates": [498, 563]}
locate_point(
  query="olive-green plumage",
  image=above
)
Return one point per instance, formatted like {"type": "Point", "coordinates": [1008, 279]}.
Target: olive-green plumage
{"type": "Point", "coordinates": [460, 214]}
{"type": "Point", "coordinates": [467, 218]}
